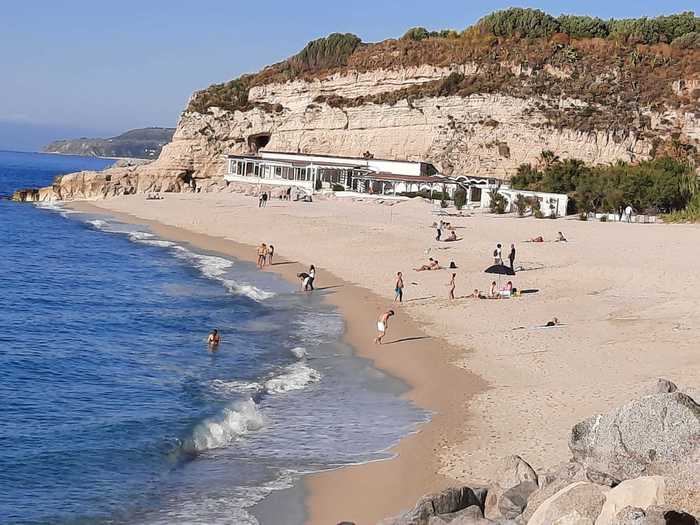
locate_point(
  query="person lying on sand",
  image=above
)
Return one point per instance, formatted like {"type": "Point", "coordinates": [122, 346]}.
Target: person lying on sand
{"type": "Point", "coordinates": [476, 294]}
{"type": "Point", "coordinates": [560, 237]}
{"type": "Point", "coordinates": [432, 265]}
{"type": "Point", "coordinates": [382, 325]}
{"type": "Point", "coordinates": [451, 237]}
{"type": "Point", "coordinates": [553, 322]}
{"type": "Point", "coordinates": [539, 238]}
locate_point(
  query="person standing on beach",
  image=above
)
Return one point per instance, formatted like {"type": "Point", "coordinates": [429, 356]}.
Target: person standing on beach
{"type": "Point", "coordinates": [262, 255]}
{"type": "Point", "coordinates": [260, 200]}
{"type": "Point", "coordinates": [312, 275]}
{"type": "Point", "coordinates": [382, 325]}
{"type": "Point", "coordinates": [497, 255]}
{"type": "Point", "coordinates": [439, 230]}
{"type": "Point", "coordinates": [451, 288]}
{"type": "Point", "coordinates": [264, 199]}
{"type": "Point", "coordinates": [398, 288]}
{"type": "Point", "coordinates": [511, 257]}
{"type": "Point", "coordinates": [270, 253]}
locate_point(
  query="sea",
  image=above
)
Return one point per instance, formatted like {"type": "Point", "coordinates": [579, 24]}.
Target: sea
{"type": "Point", "coordinates": [114, 411]}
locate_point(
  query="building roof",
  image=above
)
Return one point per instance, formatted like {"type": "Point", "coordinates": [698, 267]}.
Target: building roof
{"type": "Point", "coordinates": [343, 157]}
{"type": "Point", "coordinates": [393, 177]}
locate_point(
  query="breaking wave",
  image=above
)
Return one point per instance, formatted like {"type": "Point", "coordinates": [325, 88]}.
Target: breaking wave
{"type": "Point", "coordinates": [297, 376]}
{"type": "Point", "coordinates": [235, 421]}
{"type": "Point", "coordinates": [299, 352]}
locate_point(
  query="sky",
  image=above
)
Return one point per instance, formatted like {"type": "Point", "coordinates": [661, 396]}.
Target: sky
{"type": "Point", "coordinates": [89, 68]}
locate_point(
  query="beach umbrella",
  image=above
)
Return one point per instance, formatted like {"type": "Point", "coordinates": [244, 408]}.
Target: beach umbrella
{"type": "Point", "coordinates": [500, 269]}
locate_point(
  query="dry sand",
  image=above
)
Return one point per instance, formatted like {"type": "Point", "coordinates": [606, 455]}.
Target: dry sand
{"type": "Point", "coordinates": [627, 294]}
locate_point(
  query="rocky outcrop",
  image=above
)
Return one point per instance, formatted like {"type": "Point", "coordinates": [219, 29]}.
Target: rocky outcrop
{"type": "Point", "coordinates": [657, 434]}
{"type": "Point", "coordinates": [638, 465]}
{"type": "Point", "coordinates": [443, 505]}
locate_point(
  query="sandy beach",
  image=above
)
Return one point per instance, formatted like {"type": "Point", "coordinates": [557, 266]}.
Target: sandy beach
{"type": "Point", "coordinates": [498, 384]}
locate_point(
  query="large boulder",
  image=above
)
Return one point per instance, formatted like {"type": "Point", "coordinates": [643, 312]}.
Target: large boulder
{"type": "Point", "coordinates": [469, 516]}
{"type": "Point", "coordinates": [641, 493]}
{"type": "Point", "coordinates": [578, 504]}
{"type": "Point", "coordinates": [514, 500]}
{"type": "Point", "coordinates": [652, 435]}
{"type": "Point", "coordinates": [447, 502]}
{"type": "Point", "coordinates": [511, 472]}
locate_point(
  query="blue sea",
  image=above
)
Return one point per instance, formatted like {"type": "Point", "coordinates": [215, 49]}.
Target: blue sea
{"type": "Point", "coordinates": [112, 409]}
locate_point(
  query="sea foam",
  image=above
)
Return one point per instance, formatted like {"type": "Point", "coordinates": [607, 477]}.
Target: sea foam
{"type": "Point", "coordinates": [296, 376]}
{"type": "Point", "coordinates": [216, 432]}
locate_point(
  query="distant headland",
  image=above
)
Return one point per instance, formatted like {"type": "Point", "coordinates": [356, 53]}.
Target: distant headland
{"type": "Point", "coordinates": [144, 143]}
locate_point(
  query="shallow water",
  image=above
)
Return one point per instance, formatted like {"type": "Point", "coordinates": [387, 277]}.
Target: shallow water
{"type": "Point", "coordinates": [113, 409]}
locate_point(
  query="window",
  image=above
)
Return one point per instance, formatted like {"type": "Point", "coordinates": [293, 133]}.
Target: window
{"type": "Point", "coordinates": [239, 168]}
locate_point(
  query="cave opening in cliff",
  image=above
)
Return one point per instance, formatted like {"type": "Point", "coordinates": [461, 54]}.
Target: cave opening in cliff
{"type": "Point", "coordinates": [258, 141]}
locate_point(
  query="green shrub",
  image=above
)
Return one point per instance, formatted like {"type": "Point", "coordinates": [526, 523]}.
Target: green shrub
{"type": "Point", "coordinates": [443, 203]}
{"type": "Point", "coordinates": [521, 204]}
{"type": "Point", "coordinates": [338, 187]}
{"type": "Point", "coordinates": [526, 23]}
{"type": "Point", "coordinates": [583, 26]}
{"type": "Point", "coordinates": [416, 33]}
{"type": "Point", "coordinates": [326, 52]}
{"type": "Point", "coordinates": [691, 213]}
{"type": "Point", "coordinates": [538, 214]}
{"type": "Point", "coordinates": [498, 202]}
{"type": "Point", "coordinates": [687, 41]}
{"type": "Point", "coordinates": [460, 198]}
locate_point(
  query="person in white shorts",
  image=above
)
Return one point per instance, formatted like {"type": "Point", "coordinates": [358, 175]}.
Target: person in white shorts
{"type": "Point", "coordinates": [382, 324]}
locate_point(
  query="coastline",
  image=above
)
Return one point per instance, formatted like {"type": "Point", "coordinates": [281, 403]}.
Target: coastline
{"type": "Point", "coordinates": [383, 487]}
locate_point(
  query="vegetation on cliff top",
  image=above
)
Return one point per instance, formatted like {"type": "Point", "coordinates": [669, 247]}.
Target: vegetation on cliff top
{"type": "Point", "coordinates": [618, 67]}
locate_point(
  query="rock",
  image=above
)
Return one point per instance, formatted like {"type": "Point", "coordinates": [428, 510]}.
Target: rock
{"type": "Point", "coordinates": [577, 504]}
{"type": "Point", "coordinates": [673, 517]}
{"type": "Point", "coordinates": [600, 478]}
{"type": "Point", "coordinates": [469, 516]}
{"type": "Point", "coordinates": [449, 501]}
{"type": "Point", "coordinates": [651, 435]}
{"type": "Point", "coordinates": [513, 501]}
{"type": "Point", "coordinates": [662, 386]}
{"type": "Point", "coordinates": [512, 471]}
{"type": "Point", "coordinates": [635, 516]}
{"type": "Point", "coordinates": [642, 493]}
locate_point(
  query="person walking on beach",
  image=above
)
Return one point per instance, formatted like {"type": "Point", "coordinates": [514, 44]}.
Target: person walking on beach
{"type": "Point", "coordinates": [628, 213]}
{"type": "Point", "coordinates": [439, 231]}
{"type": "Point", "coordinates": [497, 255]}
{"type": "Point", "coordinates": [312, 275]}
{"type": "Point", "coordinates": [262, 255]}
{"type": "Point", "coordinates": [382, 325]}
{"type": "Point", "coordinates": [270, 253]}
{"type": "Point", "coordinates": [264, 199]}
{"type": "Point", "coordinates": [398, 288]}
{"type": "Point", "coordinates": [213, 340]}
{"type": "Point", "coordinates": [451, 288]}
{"type": "Point", "coordinates": [511, 257]}
{"type": "Point", "coordinates": [260, 200]}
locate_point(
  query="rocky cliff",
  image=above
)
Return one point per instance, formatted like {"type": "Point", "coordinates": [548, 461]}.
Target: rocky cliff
{"type": "Point", "coordinates": [471, 103]}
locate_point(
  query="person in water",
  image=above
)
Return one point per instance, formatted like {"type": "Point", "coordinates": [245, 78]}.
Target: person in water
{"type": "Point", "coordinates": [214, 339]}
{"type": "Point", "coordinates": [382, 325]}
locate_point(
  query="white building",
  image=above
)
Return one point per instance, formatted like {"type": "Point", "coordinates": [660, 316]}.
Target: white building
{"type": "Point", "coordinates": [376, 176]}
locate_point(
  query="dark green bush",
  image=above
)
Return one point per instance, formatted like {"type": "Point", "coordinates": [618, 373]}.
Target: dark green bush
{"type": "Point", "coordinates": [326, 52]}
{"type": "Point", "coordinates": [583, 26]}
{"type": "Point", "coordinates": [663, 183]}
{"type": "Point", "coordinates": [416, 33]}
{"type": "Point", "coordinates": [530, 23]}
{"type": "Point", "coordinates": [687, 41]}
{"type": "Point", "coordinates": [460, 198]}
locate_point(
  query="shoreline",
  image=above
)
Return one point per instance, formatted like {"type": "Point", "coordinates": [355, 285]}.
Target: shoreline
{"type": "Point", "coordinates": [380, 488]}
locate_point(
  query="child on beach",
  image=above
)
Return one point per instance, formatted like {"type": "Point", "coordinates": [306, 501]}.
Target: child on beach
{"type": "Point", "coordinates": [382, 325]}
{"type": "Point", "coordinates": [398, 288]}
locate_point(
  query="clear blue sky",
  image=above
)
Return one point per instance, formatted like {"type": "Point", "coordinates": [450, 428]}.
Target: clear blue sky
{"type": "Point", "coordinates": [89, 67]}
